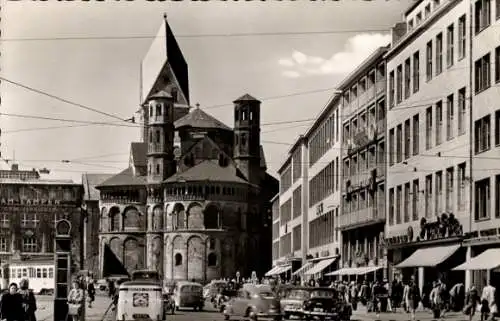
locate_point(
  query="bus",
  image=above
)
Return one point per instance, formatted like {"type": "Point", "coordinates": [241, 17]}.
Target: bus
{"type": "Point", "coordinates": [39, 274]}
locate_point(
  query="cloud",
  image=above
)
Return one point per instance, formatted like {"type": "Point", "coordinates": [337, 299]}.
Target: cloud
{"type": "Point", "coordinates": [356, 49]}
{"type": "Point", "coordinates": [291, 74]}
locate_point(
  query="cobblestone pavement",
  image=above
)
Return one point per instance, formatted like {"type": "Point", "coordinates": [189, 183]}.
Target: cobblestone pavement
{"type": "Point", "coordinates": [96, 313]}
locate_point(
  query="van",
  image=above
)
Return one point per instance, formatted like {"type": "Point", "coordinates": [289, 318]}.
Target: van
{"type": "Point", "coordinates": [188, 295]}
{"type": "Point", "coordinates": [140, 300]}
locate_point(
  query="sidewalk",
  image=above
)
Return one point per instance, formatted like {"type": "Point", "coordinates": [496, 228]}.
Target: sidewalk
{"type": "Point", "coordinates": [401, 315]}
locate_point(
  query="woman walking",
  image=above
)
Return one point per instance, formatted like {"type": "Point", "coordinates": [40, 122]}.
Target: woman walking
{"type": "Point", "coordinates": [75, 301]}
{"type": "Point", "coordinates": [12, 307]}
{"type": "Point", "coordinates": [28, 300]}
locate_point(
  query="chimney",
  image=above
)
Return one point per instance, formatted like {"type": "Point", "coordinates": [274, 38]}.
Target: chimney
{"type": "Point", "coordinates": [15, 167]}
{"type": "Point", "coordinates": [398, 32]}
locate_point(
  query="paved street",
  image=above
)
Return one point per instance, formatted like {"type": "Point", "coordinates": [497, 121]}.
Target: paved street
{"type": "Point", "coordinates": [96, 313]}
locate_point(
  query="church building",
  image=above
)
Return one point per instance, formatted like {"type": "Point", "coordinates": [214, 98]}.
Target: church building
{"type": "Point", "coordinates": [194, 202]}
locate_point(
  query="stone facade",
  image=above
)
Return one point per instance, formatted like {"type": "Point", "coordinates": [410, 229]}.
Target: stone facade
{"type": "Point", "coordinates": [30, 206]}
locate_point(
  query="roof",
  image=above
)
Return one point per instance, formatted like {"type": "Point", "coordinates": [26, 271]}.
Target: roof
{"type": "Point", "coordinates": [208, 170]}
{"type": "Point", "coordinates": [39, 181]}
{"type": "Point", "coordinates": [197, 118]}
{"type": "Point", "coordinates": [246, 97]}
{"type": "Point", "coordinates": [124, 178]}
{"type": "Point", "coordinates": [378, 54]}
{"type": "Point", "coordinates": [263, 163]}
{"type": "Point", "coordinates": [138, 152]}
{"type": "Point", "coordinates": [160, 94]}
{"type": "Point", "coordinates": [90, 181]}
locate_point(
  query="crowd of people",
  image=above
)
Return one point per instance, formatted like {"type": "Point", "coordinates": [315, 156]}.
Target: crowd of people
{"type": "Point", "coordinates": [383, 296]}
{"type": "Point", "coordinates": [19, 303]}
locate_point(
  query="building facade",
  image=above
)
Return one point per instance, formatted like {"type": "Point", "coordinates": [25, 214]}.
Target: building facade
{"type": "Point", "coordinates": [428, 159]}
{"type": "Point", "coordinates": [362, 220]}
{"type": "Point", "coordinates": [91, 220]}
{"type": "Point", "coordinates": [30, 206]}
{"type": "Point", "coordinates": [484, 240]}
{"type": "Point", "coordinates": [200, 210]}
{"type": "Point", "coordinates": [310, 199]}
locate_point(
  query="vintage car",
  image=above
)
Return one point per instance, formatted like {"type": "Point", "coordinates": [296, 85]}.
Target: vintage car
{"type": "Point", "coordinates": [188, 295]}
{"type": "Point", "coordinates": [326, 304]}
{"type": "Point", "coordinates": [292, 300]}
{"type": "Point", "coordinates": [211, 290]}
{"type": "Point", "coordinates": [254, 302]}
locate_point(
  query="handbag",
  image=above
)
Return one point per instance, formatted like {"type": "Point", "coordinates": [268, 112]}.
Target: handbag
{"type": "Point", "coordinates": [74, 308]}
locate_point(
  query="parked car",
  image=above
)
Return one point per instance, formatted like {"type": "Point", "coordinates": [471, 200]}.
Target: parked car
{"type": "Point", "coordinates": [292, 300]}
{"type": "Point", "coordinates": [254, 302]}
{"type": "Point", "coordinates": [326, 303]}
{"type": "Point", "coordinates": [188, 295]}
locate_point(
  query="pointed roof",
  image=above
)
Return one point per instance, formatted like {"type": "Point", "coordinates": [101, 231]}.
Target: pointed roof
{"type": "Point", "coordinates": [138, 152]}
{"type": "Point", "coordinates": [160, 94]}
{"type": "Point", "coordinates": [124, 178]}
{"type": "Point", "coordinates": [197, 118]}
{"type": "Point", "coordinates": [90, 181]}
{"type": "Point", "coordinates": [208, 170]}
{"type": "Point", "coordinates": [246, 97]}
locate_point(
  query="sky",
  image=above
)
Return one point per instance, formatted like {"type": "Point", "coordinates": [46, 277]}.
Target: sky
{"type": "Point", "coordinates": [293, 74]}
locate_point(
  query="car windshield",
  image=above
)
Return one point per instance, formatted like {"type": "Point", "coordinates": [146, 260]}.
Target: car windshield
{"type": "Point", "coordinates": [298, 294]}
{"type": "Point", "coordinates": [321, 294]}
{"type": "Point", "coordinates": [266, 294]}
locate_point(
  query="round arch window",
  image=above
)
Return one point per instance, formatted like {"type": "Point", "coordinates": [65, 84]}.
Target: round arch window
{"type": "Point", "coordinates": [178, 259]}
{"type": "Point", "coordinates": [212, 259]}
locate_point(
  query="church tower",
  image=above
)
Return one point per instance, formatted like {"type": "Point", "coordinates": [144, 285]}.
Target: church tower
{"type": "Point", "coordinates": [247, 137]}
{"type": "Point", "coordinates": [160, 158]}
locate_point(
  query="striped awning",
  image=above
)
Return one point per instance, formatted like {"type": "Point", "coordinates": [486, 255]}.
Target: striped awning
{"type": "Point", "coordinates": [278, 269]}
{"type": "Point", "coordinates": [320, 266]}
{"type": "Point", "coordinates": [303, 269]}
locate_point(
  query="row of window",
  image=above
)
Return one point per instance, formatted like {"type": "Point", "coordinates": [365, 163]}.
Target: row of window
{"type": "Point", "coordinates": [483, 132]}
{"type": "Point", "coordinates": [38, 273]}
{"type": "Point", "coordinates": [324, 183]}
{"type": "Point", "coordinates": [38, 193]}
{"type": "Point", "coordinates": [482, 14]}
{"type": "Point", "coordinates": [297, 164]}
{"type": "Point", "coordinates": [286, 179]}
{"type": "Point", "coordinates": [418, 17]}
{"type": "Point", "coordinates": [406, 75]}
{"type": "Point", "coordinates": [405, 203]}
{"type": "Point", "coordinates": [368, 121]}
{"type": "Point", "coordinates": [322, 229]}
{"type": "Point", "coordinates": [286, 212]}
{"type": "Point", "coordinates": [482, 71]}
{"type": "Point", "coordinates": [404, 139]}
{"type": "Point", "coordinates": [297, 202]}
{"type": "Point", "coordinates": [373, 79]}
{"type": "Point", "coordinates": [324, 138]}
{"type": "Point", "coordinates": [367, 243]}
{"type": "Point", "coordinates": [365, 160]}
{"type": "Point", "coordinates": [365, 199]}
{"type": "Point", "coordinates": [28, 245]}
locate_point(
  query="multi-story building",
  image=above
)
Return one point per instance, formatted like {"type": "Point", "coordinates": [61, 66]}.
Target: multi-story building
{"type": "Point", "coordinates": [428, 135]}
{"type": "Point", "coordinates": [199, 211]}
{"type": "Point", "coordinates": [289, 226]}
{"type": "Point", "coordinates": [30, 206]}
{"type": "Point", "coordinates": [310, 198]}
{"type": "Point", "coordinates": [484, 66]}
{"type": "Point", "coordinates": [362, 220]}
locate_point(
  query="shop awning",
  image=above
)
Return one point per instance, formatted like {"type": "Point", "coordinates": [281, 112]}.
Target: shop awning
{"type": "Point", "coordinates": [320, 266]}
{"type": "Point", "coordinates": [487, 260]}
{"type": "Point", "coordinates": [303, 269]}
{"type": "Point", "coordinates": [344, 271]}
{"type": "Point", "coordinates": [272, 271]}
{"type": "Point", "coordinates": [283, 269]}
{"type": "Point", "coordinates": [430, 256]}
{"type": "Point", "coordinates": [367, 269]}
{"type": "Point", "coordinates": [355, 271]}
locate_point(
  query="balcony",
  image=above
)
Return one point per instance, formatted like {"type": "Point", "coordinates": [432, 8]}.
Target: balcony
{"type": "Point", "coordinates": [381, 87]}
{"type": "Point", "coordinates": [156, 148]}
{"type": "Point", "coordinates": [364, 216]}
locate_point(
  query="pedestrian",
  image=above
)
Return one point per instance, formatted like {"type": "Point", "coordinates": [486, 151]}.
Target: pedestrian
{"type": "Point", "coordinates": [75, 301]}
{"type": "Point", "coordinates": [91, 292]}
{"type": "Point", "coordinates": [12, 306]}
{"type": "Point", "coordinates": [412, 298]}
{"type": "Point", "coordinates": [28, 300]}
{"type": "Point", "coordinates": [488, 300]}
{"type": "Point", "coordinates": [471, 302]}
